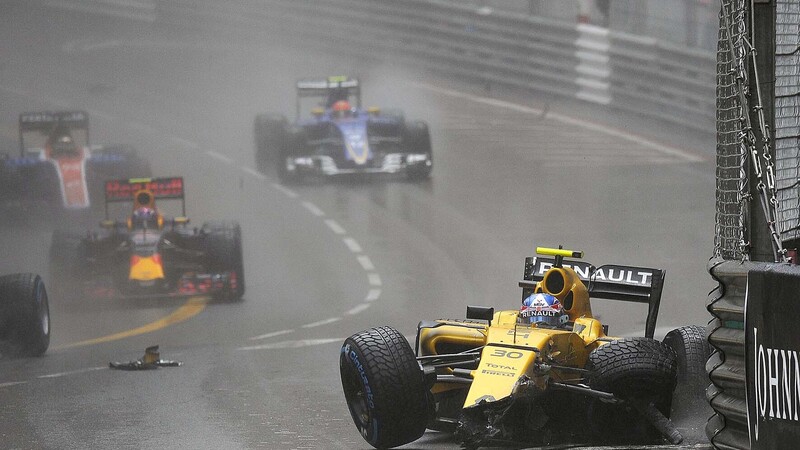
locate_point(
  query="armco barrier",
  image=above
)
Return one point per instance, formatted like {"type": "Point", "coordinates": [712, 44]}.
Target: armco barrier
{"type": "Point", "coordinates": [634, 73]}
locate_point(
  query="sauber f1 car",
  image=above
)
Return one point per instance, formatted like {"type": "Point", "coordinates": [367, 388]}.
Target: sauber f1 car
{"type": "Point", "coordinates": [341, 137]}
{"type": "Point", "coordinates": [58, 168]}
{"type": "Point", "coordinates": [547, 373]}
{"type": "Point", "coordinates": [148, 254]}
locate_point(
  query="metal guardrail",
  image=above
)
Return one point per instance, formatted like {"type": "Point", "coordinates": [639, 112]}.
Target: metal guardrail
{"type": "Point", "coordinates": [728, 428]}
{"type": "Point", "coordinates": [638, 74]}
{"type": "Point", "coordinates": [139, 10]}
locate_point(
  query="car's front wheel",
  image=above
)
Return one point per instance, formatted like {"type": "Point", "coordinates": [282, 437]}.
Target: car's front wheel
{"type": "Point", "coordinates": [641, 372]}
{"type": "Point", "coordinates": [25, 314]}
{"type": "Point", "coordinates": [384, 387]}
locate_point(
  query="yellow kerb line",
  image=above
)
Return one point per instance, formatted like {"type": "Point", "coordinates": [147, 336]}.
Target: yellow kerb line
{"type": "Point", "coordinates": [188, 310]}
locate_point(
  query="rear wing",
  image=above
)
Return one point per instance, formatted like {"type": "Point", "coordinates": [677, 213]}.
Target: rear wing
{"type": "Point", "coordinates": [46, 122]}
{"type": "Point", "coordinates": [333, 88]}
{"type": "Point", "coordinates": [129, 190]}
{"type": "Point", "coordinates": [613, 282]}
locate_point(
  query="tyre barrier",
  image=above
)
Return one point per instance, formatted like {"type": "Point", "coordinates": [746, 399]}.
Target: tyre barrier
{"type": "Point", "coordinates": [727, 428]}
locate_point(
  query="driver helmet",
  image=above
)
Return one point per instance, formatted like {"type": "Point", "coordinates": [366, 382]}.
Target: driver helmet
{"type": "Point", "coordinates": [144, 217]}
{"type": "Point", "coordinates": [63, 145]}
{"type": "Point", "coordinates": [341, 108]}
{"type": "Point", "coordinates": [543, 309]}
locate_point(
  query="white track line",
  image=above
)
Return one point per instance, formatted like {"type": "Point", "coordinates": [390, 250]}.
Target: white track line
{"type": "Point", "coordinates": [313, 209]}
{"type": "Point", "coordinates": [322, 322]}
{"type": "Point", "coordinates": [219, 157]}
{"type": "Point", "coordinates": [253, 172]}
{"type": "Point", "coordinates": [366, 263]}
{"type": "Point", "coordinates": [335, 227]}
{"type": "Point", "coordinates": [373, 295]}
{"type": "Point", "coordinates": [72, 372]}
{"type": "Point", "coordinates": [269, 335]}
{"type": "Point", "coordinates": [292, 344]}
{"type": "Point", "coordinates": [374, 279]}
{"type": "Point", "coordinates": [11, 383]}
{"type": "Point", "coordinates": [357, 309]}
{"type": "Point", "coordinates": [352, 244]}
{"type": "Point", "coordinates": [289, 193]}
{"type": "Point", "coordinates": [665, 149]}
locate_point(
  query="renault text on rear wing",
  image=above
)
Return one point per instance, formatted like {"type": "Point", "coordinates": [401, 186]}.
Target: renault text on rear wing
{"type": "Point", "coordinates": [614, 282]}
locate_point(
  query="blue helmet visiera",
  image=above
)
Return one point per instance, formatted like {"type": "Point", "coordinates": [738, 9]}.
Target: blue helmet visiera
{"type": "Point", "coordinates": [543, 309]}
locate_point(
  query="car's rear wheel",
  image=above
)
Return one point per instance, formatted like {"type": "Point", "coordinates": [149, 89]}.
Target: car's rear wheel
{"type": "Point", "coordinates": [689, 399]}
{"type": "Point", "coordinates": [271, 140]}
{"type": "Point", "coordinates": [25, 314]}
{"type": "Point", "coordinates": [224, 254]}
{"type": "Point", "coordinates": [418, 141]}
{"type": "Point", "coordinates": [639, 371]}
{"type": "Point", "coordinates": [384, 387]}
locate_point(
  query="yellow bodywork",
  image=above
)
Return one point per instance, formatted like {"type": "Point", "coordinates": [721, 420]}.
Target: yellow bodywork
{"type": "Point", "coordinates": [146, 268]}
{"type": "Point", "coordinates": [512, 349]}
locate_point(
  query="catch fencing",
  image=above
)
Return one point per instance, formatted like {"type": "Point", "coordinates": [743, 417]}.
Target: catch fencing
{"type": "Point", "coordinates": [745, 163]}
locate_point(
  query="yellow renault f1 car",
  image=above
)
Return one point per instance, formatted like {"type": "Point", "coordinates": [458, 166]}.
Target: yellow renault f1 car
{"type": "Point", "coordinates": [546, 373]}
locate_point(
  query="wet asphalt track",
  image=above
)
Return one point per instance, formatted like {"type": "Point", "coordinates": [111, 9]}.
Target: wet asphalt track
{"type": "Point", "coordinates": [322, 260]}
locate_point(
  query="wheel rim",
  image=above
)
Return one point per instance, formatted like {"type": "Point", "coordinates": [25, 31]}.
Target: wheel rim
{"type": "Point", "coordinates": [44, 316]}
{"type": "Point", "coordinates": [356, 398]}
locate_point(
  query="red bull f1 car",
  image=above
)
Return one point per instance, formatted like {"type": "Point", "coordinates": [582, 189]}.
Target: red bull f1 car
{"type": "Point", "coordinates": [544, 374]}
{"type": "Point", "coordinates": [148, 254]}
{"type": "Point", "coordinates": [341, 137]}
{"type": "Point", "coordinates": [58, 168]}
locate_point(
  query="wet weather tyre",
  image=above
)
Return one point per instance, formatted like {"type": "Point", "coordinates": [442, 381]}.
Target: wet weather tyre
{"type": "Point", "coordinates": [418, 141]}
{"type": "Point", "coordinates": [25, 314]}
{"type": "Point", "coordinates": [224, 254]}
{"type": "Point", "coordinates": [384, 387]}
{"type": "Point", "coordinates": [271, 139]}
{"type": "Point", "coordinates": [636, 370]}
{"type": "Point", "coordinates": [692, 351]}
